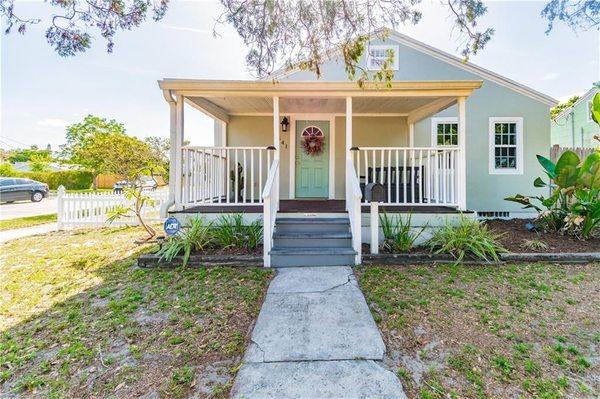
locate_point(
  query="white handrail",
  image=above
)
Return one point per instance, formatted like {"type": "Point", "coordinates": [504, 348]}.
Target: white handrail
{"type": "Point", "coordinates": [270, 198]}
{"type": "Point", "coordinates": [353, 205]}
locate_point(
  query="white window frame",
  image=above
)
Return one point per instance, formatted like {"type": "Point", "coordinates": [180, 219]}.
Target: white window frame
{"type": "Point", "coordinates": [492, 146]}
{"type": "Point", "coordinates": [434, 124]}
{"type": "Point", "coordinates": [588, 111]}
{"type": "Point", "coordinates": [396, 59]}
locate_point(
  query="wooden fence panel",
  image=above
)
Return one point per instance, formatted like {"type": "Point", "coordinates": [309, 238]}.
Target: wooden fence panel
{"type": "Point", "coordinates": [582, 152]}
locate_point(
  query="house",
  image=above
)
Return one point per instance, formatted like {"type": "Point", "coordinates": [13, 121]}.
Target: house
{"type": "Point", "coordinates": [446, 137]}
{"type": "Point", "coordinates": [574, 126]}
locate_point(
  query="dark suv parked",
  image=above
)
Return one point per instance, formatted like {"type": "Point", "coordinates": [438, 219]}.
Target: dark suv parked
{"type": "Point", "coordinates": [15, 189]}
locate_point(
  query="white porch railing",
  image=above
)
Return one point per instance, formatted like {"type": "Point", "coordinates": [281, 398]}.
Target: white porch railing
{"type": "Point", "coordinates": [410, 175]}
{"type": "Point", "coordinates": [353, 204]}
{"type": "Point", "coordinates": [270, 198]}
{"type": "Point", "coordinates": [224, 175]}
{"type": "Point", "coordinates": [91, 209]}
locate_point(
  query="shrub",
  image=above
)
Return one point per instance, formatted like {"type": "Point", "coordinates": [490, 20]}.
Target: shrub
{"type": "Point", "coordinates": [71, 179]}
{"type": "Point", "coordinates": [574, 205]}
{"type": "Point", "coordinates": [468, 237]}
{"type": "Point", "coordinates": [397, 233]}
{"type": "Point", "coordinates": [7, 169]}
{"type": "Point", "coordinates": [196, 237]}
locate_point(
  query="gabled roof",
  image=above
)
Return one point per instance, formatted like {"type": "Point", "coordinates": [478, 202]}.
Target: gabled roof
{"type": "Point", "coordinates": [584, 97]}
{"type": "Point", "coordinates": [455, 61]}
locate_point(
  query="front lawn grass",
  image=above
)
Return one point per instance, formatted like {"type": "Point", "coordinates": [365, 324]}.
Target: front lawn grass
{"type": "Point", "coordinates": [511, 331]}
{"type": "Point", "coordinates": [78, 319]}
{"type": "Point", "coordinates": [28, 221]}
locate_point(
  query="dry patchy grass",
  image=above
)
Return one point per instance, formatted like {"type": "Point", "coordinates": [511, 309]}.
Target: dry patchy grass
{"type": "Point", "coordinates": [514, 331]}
{"type": "Point", "coordinates": [78, 319]}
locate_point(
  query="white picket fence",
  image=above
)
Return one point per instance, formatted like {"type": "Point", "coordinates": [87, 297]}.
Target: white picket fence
{"type": "Point", "coordinates": [91, 209]}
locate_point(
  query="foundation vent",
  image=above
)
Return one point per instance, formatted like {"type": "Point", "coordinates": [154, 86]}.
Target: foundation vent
{"type": "Point", "coordinates": [493, 214]}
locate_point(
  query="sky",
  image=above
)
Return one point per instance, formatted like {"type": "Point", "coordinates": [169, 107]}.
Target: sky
{"type": "Point", "coordinates": [42, 93]}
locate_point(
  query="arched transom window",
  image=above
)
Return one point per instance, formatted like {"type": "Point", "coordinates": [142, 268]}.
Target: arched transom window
{"type": "Point", "coordinates": [312, 131]}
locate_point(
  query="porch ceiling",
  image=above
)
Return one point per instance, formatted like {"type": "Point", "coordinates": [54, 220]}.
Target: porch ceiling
{"type": "Point", "coordinates": [415, 99]}
{"type": "Point", "coordinates": [361, 105]}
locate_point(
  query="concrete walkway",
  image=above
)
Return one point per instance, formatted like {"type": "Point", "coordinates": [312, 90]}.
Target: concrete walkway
{"type": "Point", "coordinates": [8, 235]}
{"type": "Point", "coordinates": [315, 338]}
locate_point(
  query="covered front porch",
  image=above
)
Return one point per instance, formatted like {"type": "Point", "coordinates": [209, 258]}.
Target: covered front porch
{"type": "Point", "coordinates": [259, 162]}
{"type": "Point", "coordinates": [313, 206]}
{"type": "Point", "coordinates": [371, 126]}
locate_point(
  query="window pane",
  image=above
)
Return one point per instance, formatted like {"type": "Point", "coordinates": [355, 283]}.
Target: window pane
{"type": "Point", "coordinates": [498, 128]}
{"type": "Point", "coordinates": [513, 128]}
{"type": "Point", "coordinates": [447, 133]}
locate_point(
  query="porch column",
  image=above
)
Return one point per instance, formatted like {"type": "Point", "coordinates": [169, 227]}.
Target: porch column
{"type": "Point", "coordinates": [276, 144]}
{"type": "Point", "coordinates": [220, 133]}
{"type": "Point", "coordinates": [462, 154]}
{"type": "Point", "coordinates": [411, 134]}
{"type": "Point", "coordinates": [348, 126]}
{"type": "Point", "coordinates": [176, 152]}
{"type": "Point", "coordinates": [173, 137]}
{"type": "Point", "coordinates": [276, 126]}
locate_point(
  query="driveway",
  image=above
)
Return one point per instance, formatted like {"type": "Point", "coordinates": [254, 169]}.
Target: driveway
{"type": "Point", "coordinates": [27, 208]}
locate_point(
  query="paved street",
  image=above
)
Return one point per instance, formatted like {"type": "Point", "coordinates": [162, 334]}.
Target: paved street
{"type": "Point", "coordinates": [27, 208]}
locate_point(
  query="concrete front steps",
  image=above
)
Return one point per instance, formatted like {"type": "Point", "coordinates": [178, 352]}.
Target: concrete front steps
{"type": "Point", "coordinates": [312, 241]}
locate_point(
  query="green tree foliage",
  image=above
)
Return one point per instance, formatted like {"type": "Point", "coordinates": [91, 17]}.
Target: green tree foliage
{"type": "Point", "coordinates": [71, 179]}
{"type": "Point", "coordinates": [39, 163]}
{"type": "Point", "coordinates": [160, 147]}
{"type": "Point", "coordinates": [285, 33]}
{"type": "Point", "coordinates": [555, 111]}
{"type": "Point", "coordinates": [26, 155]}
{"type": "Point", "coordinates": [102, 146]}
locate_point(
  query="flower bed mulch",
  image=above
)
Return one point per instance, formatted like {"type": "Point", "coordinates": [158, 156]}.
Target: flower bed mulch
{"type": "Point", "coordinates": [233, 256]}
{"type": "Point", "coordinates": [515, 233]}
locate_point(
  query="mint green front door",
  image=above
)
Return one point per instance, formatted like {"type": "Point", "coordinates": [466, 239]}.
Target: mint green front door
{"type": "Point", "coordinates": [312, 170]}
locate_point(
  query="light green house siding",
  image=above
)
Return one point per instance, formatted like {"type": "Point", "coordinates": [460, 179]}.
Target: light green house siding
{"type": "Point", "coordinates": [574, 128]}
{"type": "Point", "coordinates": [257, 131]}
{"type": "Point", "coordinates": [485, 192]}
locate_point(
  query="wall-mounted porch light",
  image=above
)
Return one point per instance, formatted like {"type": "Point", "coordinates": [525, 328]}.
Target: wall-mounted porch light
{"type": "Point", "coordinates": [285, 124]}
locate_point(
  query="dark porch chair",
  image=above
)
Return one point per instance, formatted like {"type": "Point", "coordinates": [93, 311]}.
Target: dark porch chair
{"type": "Point", "coordinates": [413, 182]}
